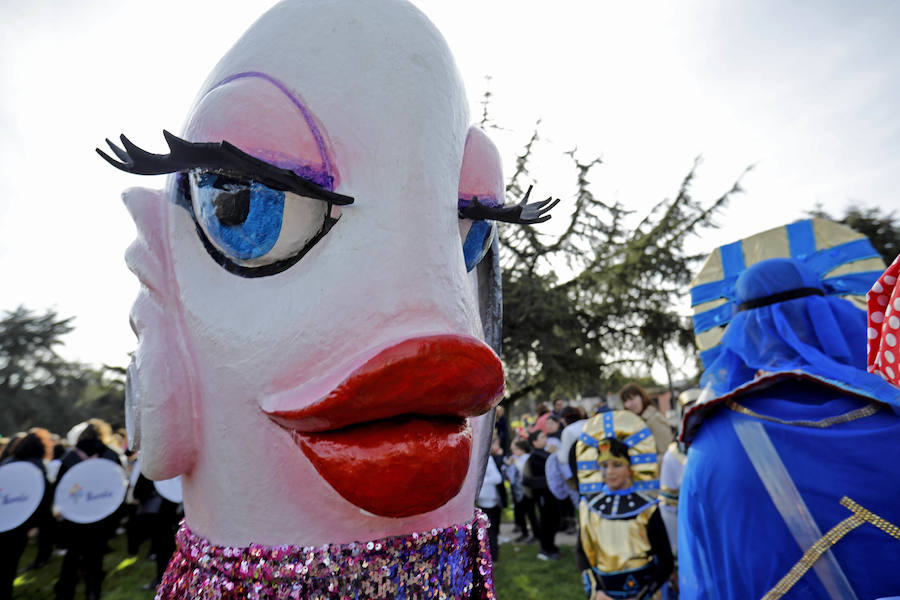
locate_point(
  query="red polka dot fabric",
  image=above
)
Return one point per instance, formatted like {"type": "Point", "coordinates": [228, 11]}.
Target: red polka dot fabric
{"type": "Point", "coordinates": [883, 334]}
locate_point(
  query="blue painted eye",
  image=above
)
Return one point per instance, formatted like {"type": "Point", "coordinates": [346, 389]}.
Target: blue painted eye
{"type": "Point", "coordinates": [251, 224]}
{"type": "Point", "coordinates": [240, 219]}
{"type": "Point", "coordinates": [478, 242]}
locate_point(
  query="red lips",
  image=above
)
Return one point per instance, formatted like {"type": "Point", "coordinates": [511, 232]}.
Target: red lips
{"type": "Point", "coordinates": [393, 437]}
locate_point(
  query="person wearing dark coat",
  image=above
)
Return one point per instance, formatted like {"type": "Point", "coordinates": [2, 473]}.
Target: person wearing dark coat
{"type": "Point", "coordinates": [535, 480]}
{"type": "Point", "coordinates": [87, 543]}
{"type": "Point", "coordinates": [30, 448]}
{"type": "Point", "coordinates": [161, 517]}
{"type": "Point", "coordinates": [46, 522]}
{"type": "Point", "coordinates": [503, 429]}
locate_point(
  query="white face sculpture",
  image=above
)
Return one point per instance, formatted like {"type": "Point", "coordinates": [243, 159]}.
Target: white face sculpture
{"type": "Point", "coordinates": [318, 372]}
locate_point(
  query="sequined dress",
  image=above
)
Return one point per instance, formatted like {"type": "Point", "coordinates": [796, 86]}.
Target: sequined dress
{"type": "Point", "coordinates": [451, 563]}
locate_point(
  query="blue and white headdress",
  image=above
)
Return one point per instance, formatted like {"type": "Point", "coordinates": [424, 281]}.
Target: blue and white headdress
{"type": "Point", "coordinates": [788, 302]}
{"type": "Point", "coordinates": [844, 261]}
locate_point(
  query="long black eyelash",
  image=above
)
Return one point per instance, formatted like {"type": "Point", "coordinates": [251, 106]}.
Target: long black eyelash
{"type": "Point", "coordinates": [216, 156]}
{"type": "Point", "coordinates": [519, 214]}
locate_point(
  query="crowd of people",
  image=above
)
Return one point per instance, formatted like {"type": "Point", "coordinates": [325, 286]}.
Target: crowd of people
{"type": "Point", "coordinates": [534, 470]}
{"type": "Point", "coordinates": [788, 486]}
{"type": "Point", "coordinates": [145, 514]}
{"type": "Point", "coordinates": [787, 399]}
{"type": "Point", "coordinates": [529, 470]}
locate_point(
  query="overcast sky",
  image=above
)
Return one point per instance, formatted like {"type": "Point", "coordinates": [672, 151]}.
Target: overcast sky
{"type": "Point", "coordinates": [807, 90]}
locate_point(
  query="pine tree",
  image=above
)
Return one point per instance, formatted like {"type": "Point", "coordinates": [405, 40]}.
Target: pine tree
{"type": "Point", "coordinates": [625, 303]}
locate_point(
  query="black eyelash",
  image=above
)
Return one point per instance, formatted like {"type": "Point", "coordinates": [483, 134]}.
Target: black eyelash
{"type": "Point", "coordinates": [216, 156]}
{"type": "Point", "coordinates": [227, 158]}
{"type": "Point", "coordinates": [520, 214]}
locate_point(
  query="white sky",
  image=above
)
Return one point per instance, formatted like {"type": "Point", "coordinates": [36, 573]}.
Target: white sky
{"type": "Point", "coordinates": [809, 90]}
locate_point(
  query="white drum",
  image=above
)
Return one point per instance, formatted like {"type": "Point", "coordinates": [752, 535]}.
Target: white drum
{"type": "Point", "coordinates": [21, 488]}
{"type": "Point", "coordinates": [170, 489]}
{"type": "Point", "coordinates": [90, 491]}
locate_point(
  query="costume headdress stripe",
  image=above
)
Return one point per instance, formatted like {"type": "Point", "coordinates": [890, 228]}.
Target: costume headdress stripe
{"type": "Point", "coordinates": [844, 260]}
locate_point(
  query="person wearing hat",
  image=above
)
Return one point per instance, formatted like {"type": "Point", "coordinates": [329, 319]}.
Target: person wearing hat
{"type": "Point", "coordinates": [791, 480]}
{"type": "Point", "coordinates": [622, 535]}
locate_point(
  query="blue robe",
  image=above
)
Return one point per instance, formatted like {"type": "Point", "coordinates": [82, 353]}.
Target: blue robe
{"type": "Point", "coordinates": [734, 544]}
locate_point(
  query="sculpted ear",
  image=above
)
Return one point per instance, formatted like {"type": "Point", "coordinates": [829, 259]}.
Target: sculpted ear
{"type": "Point", "coordinates": [160, 390]}
{"type": "Point", "coordinates": [481, 176]}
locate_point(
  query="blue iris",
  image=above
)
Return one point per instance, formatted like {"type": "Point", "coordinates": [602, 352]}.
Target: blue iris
{"type": "Point", "coordinates": [255, 232]}
{"type": "Point", "coordinates": [477, 243]}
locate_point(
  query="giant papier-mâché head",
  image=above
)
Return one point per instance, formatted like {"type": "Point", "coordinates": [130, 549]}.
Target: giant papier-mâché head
{"type": "Point", "coordinates": [319, 290]}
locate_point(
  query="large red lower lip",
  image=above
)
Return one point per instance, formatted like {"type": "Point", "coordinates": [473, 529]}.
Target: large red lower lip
{"type": "Point", "coordinates": [394, 468]}
{"type": "Point", "coordinates": [393, 437]}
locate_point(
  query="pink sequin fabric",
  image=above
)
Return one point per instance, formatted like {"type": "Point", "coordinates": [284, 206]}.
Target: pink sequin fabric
{"type": "Point", "coordinates": [451, 563]}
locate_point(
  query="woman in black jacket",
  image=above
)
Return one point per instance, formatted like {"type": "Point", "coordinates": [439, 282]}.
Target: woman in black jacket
{"type": "Point", "coordinates": [87, 543]}
{"type": "Point", "coordinates": [535, 479]}
{"type": "Point", "coordinates": [30, 448]}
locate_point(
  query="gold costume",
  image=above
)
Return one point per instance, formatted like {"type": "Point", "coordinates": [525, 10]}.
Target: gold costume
{"type": "Point", "coordinates": [613, 545]}
{"type": "Point", "coordinates": [622, 534]}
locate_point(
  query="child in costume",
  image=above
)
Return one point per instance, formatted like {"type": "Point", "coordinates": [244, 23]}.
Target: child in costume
{"type": "Point", "coordinates": [791, 479]}
{"type": "Point", "coordinates": [622, 535]}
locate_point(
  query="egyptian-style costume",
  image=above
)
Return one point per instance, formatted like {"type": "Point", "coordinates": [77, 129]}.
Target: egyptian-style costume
{"type": "Point", "coordinates": [791, 483]}
{"type": "Point", "coordinates": [622, 535]}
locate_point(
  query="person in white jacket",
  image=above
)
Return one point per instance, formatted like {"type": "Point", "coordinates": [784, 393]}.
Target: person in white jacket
{"type": "Point", "coordinates": [489, 501]}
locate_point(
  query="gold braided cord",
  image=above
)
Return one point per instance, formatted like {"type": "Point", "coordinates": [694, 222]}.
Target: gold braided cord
{"type": "Point", "coordinates": [859, 413]}
{"type": "Point", "coordinates": [860, 515]}
{"type": "Point", "coordinates": [812, 555]}
{"type": "Point", "coordinates": [863, 513]}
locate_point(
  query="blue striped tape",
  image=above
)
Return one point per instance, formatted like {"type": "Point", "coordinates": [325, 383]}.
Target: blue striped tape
{"type": "Point", "coordinates": [802, 239]}
{"type": "Point", "coordinates": [732, 259]}
{"type": "Point", "coordinates": [636, 438]}
{"type": "Point", "coordinates": [643, 459]}
{"type": "Point", "coordinates": [590, 441]}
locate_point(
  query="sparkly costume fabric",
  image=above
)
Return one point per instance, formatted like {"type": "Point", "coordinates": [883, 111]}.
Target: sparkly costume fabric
{"type": "Point", "coordinates": [451, 563]}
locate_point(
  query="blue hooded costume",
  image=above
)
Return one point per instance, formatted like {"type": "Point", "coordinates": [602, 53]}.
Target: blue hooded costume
{"type": "Point", "coordinates": [792, 482]}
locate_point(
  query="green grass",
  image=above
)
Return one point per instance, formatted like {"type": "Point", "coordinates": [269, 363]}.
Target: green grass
{"type": "Point", "coordinates": [518, 575]}
{"type": "Point", "coordinates": [124, 575]}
